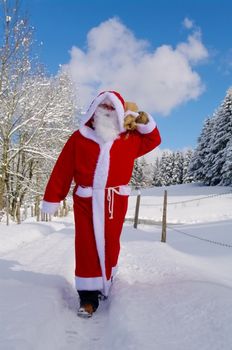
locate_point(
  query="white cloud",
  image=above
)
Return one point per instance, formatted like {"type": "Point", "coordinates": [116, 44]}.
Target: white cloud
{"type": "Point", "coordinates": [225, 66]}
{"type": "Point", "coordinates": [188, 23]}
{"type": "Point", "coordinates": [193, 49]}
{"type": "Point", "coordinates": [158, 80]}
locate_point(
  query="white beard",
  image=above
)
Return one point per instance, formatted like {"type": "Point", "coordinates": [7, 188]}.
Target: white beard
{"type": "Point", "coordinates": [106, 124]}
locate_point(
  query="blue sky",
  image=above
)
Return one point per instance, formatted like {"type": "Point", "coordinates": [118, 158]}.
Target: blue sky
{"type": "Point", "coordinates": [63, 26]}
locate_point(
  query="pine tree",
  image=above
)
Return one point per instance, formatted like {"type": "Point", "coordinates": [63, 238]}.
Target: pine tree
{"type": "Point", "coordinates": [147, 172]}
{"type": "Point", "coordinates": [142, 174]}
{"type": "Point", "coordinates": [200, 159]}
{"type": "Point", "coordinates": [177, 171]}
{"type": "Point", "coordinates": [222, 134]}
{"type": "Point", "coordinates": [156, 173]}
{"type": "Point", "coordinates": [226, 172]}
{"type": "Point", "coordinates": [211, 160]}
{"type": "Point", "coordinates": [137, 178]}
{"type": "Point", "coordinates": [187, 178]}
{"type": "Point", "coordinates": [165, 170]}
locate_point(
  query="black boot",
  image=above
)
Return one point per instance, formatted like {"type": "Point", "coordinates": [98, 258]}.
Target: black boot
{"type": "Point", "coordinates": [89, 302]}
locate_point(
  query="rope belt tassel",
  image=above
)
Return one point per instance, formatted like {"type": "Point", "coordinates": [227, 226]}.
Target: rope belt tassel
{"type": "Point", "coordinates": [110, 197]}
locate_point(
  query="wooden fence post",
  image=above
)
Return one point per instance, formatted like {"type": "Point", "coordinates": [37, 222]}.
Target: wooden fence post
{"type": "Point", "coordinates": [164, 221]}
{"type": "Point", "coordinates": [137, 209]}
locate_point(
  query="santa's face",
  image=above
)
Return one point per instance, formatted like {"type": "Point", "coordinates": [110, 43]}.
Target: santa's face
{"type": "Point", "coordinates": [106, 122]}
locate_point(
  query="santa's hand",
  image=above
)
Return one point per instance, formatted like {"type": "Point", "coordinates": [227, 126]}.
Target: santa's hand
{"type": "Point", "coordinates": [142, 118]}
{"type": "Point", "coordinates": [129, 122]}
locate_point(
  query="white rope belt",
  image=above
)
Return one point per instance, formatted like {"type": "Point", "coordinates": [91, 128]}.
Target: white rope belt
{"type": "Point", "coordinates": [121, 190]}
{"type": "Point", "coordinates": [110, 197]}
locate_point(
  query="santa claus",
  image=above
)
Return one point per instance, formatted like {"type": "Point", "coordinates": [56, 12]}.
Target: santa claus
{"type": "Point", "coordinates": [99, 157]}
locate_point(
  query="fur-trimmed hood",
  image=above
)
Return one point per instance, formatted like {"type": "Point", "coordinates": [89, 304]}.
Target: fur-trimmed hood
{"type": "Point", "coordinates": [118, 103]}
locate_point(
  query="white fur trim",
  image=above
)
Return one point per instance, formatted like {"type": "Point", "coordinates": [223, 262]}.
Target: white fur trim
{"type": "Point", "coordinates": [49, 207]}
{"type": "Point", "coordinates": [114, 270]}
{"type": "Point", "coordinates": [125, 190]}
{"type": "Point", "coordinates": [89, 283]}
{"type": "Point", "coordinates": [93, 283]}
{"type": "Point", "coordinates": [115, 101]}
{"type": "Point", "coordinates": [98, 202]}
{"type": "Point", "coordinates": [90, 134]}
{"type": "Point", "coordinates": [102, 168]}
{"type": "Point", "coordinates": [147, 128]}
{"type": "Point", "coordinates": [84, 191]}
{"type": "Point", "coordinates": [135, 114]}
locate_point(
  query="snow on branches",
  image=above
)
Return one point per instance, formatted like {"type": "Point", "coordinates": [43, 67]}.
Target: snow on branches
{"type": "Point", "coordinates": [212, 159]}
{"type": "Point", "coordinates": [170, 169]}
{"type": "Point", "coordinates": [37, 113]}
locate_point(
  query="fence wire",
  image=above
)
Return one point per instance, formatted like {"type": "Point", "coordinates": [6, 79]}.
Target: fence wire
{"type": "Point", "coordinates": [190, 200]}
{"type": "Point", "coordinates": [195, 200]}
{"type": "Point", "coordinates": [201, 198]}
{"type": "Point", "coordinates": [200, 238]}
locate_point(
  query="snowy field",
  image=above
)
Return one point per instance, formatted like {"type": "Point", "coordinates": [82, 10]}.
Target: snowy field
{"type": "Point", "coordinates": [166, 296]}
{"type": "Point", "coordinates": [189, 203]}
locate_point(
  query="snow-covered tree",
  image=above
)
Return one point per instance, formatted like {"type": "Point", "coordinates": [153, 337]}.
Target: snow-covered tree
{"type": "Point", "coordinates": [187, 178]}
{"type": "Point", "coordinates": [137, 175]}
{"type": "Point", "coordinates": [15, 65]}
{"type": "Point", "coordinates": [222, 135]}
{"type": "Point", "coordinates": [147, 171]}
{"type": "Point", "coordinates": [199, 161]}
{"type": "Point", "coordinates": [142, 175]}
{"type": "Point", "coordinates": [177, 170]}
{"type": "Point", "coordinates": [51, 101]}
{"type": "Point", "coordinates": [36, 112]}
{"type": "Point", "coordinates": [156, 173]}
{"type": "Point", "coordinates": [211, 159]}
{"type": "Point", "coordinates": [165, 168]}
{"type": "Point", "coordinates": [171, 168]}
{"type": "Point", "coordinates": [226, 172]}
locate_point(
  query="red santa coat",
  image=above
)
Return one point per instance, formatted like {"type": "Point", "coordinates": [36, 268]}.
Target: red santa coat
{"type": "Point", "coordinates": [101, 172]}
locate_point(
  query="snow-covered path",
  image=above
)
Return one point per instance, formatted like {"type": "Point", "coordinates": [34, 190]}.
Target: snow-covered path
{"type": "Point", "coordinates": [166, 296]}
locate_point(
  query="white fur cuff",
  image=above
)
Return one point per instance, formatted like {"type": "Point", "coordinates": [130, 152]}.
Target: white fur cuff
{"type": "Point", "coordinates": [88, 283]}
{"type": "Point", "coordinates": [49, 207]}
{"type": "Point", "coordinates": [147, 128]}
{"type": "Point", "coordinates": [134, 114]}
